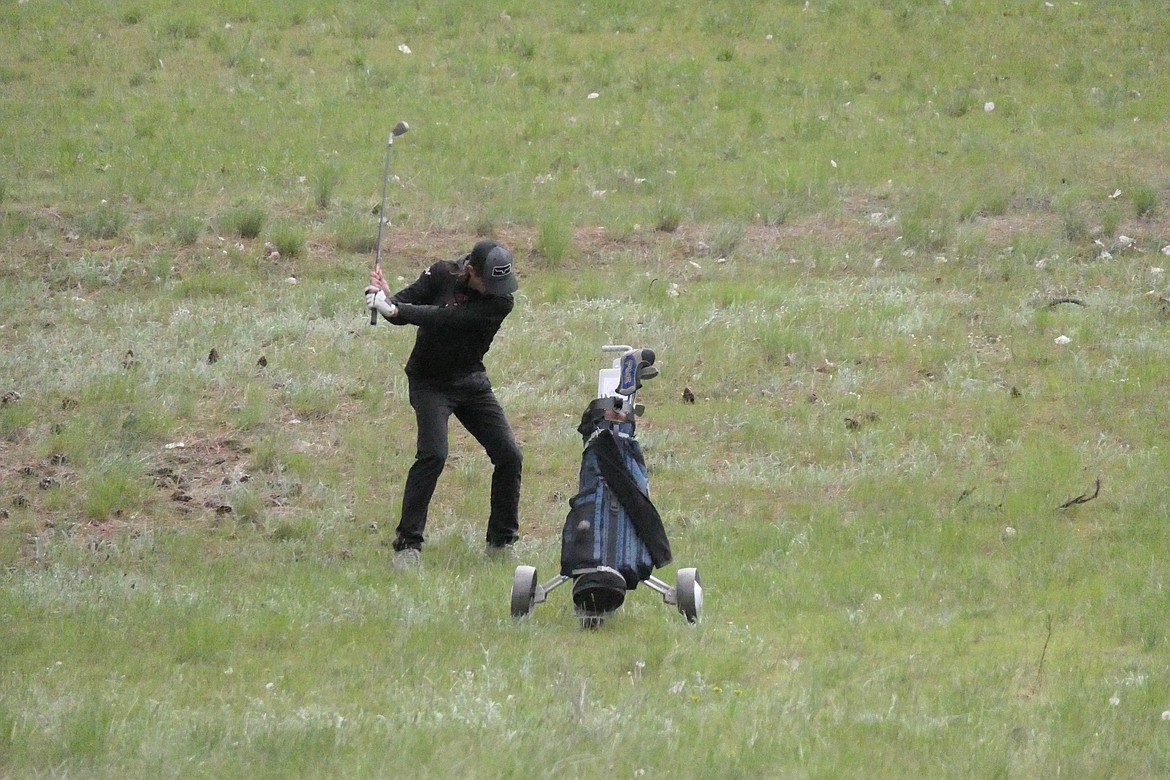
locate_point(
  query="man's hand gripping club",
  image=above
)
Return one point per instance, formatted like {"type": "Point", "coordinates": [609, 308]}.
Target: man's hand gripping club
{"type": "Point", "coordinates": [378, 295]}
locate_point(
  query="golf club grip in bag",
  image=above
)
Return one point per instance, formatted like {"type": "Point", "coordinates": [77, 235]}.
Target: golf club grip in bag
{"type": "Point", "coordinates": [611, 521]}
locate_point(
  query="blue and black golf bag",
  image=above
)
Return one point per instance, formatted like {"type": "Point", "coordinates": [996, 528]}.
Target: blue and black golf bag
{"type": "Point", "coordinates": [613, 536]}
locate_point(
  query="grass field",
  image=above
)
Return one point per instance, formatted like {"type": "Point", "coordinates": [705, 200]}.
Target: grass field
{"type": "Point", "coordinates": [908, 256]}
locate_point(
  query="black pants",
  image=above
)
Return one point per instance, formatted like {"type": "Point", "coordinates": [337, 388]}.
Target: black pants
{"type": "Point", "coordinates": [474, 404]}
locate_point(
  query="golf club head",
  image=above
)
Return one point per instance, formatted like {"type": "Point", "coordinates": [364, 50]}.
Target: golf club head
{"type": "Point", "coordinates": [399, 129]}
{"type": "Point", "coordinates": [635, 365]}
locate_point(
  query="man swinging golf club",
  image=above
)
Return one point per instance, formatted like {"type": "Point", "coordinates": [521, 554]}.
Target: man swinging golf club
{"type": "Point", "coordinates": [458, 307]}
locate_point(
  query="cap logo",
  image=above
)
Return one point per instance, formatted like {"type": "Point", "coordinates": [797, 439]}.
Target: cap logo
{"type": "Point", "coordinates": [500, 271]}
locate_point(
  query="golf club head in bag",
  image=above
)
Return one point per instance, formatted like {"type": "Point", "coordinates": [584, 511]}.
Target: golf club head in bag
{"type": "Point", "coordinates": [634, 366]}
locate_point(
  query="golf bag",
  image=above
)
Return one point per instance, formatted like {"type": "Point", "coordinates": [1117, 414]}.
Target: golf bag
{"type": "Point", "coordinates": [612, 527]}
{"type": "Point", "coordinates": [613, 536]}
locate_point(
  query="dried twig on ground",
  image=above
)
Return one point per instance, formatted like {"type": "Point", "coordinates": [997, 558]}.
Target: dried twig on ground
{"type": "Point", "coordinates": [1044, 651]}
{"type": "Point", "coordinates": [1083, 498]}
{"type": "Point", "coordinates": [1058, 301]}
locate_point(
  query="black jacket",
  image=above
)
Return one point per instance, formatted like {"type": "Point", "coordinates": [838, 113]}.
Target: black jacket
{"type": "Point", "coordinates": [456, 324]}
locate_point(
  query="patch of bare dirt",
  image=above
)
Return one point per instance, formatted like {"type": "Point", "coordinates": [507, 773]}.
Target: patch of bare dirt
{"type": "Point", "coordinates": [196, 472]}
{"type": "Point", "coordinates": [861, 223]}
{"type": "Point", "coordinates": [199, 475]}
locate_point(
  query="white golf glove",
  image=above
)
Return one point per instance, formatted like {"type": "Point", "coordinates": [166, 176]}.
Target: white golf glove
{"type": "Point", "coordinates": [376, 299]}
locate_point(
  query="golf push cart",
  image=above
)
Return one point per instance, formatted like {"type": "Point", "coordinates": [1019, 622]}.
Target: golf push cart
{"type": "Point", "coordinates": [613, 536]}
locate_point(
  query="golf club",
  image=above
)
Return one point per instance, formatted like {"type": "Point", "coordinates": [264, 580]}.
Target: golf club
{"type": "Point", "coordinates": [399, 129]}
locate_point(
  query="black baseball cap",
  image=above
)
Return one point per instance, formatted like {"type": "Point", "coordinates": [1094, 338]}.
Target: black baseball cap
{"type": "Point", "coordinates": [494, 263]}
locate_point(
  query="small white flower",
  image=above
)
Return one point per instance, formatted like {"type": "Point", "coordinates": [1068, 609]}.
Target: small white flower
{"type": "Point", "coordinates": [1166, 249]}
{"type": "Point", "coordinates": [989, 106]}
{"type": "Point", "coordinates": [1166, 715]}
{"type": "Point", "coordinates": [592, 96]}
{"type": "Point", "coordinates": [402, 47]}
{"type": "Point", "coordinates": [1009, 532]}
{"type": "Point", "coordinates": [1105, 256]}
{"type": "Point", "coordinates": [1062, 340]}
{"type": "Point", "coordinates": [1156, 271]}
{"type": "Point", "coordinates": [877, 597]}
{"type": "Point", "coordinates": [833, 163]}
{"type": "Point", "coordinates": [1114, 700]}
{"type": "Point", "coordinates": [1125, 240]}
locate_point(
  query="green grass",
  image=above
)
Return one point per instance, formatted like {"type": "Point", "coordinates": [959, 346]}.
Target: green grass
{"type": "Point", "coordinates": [289, 239]}
{"type": "Point", "coordinates": [882, 244]}
{"type": "Point", "coordinates": [244, 221]}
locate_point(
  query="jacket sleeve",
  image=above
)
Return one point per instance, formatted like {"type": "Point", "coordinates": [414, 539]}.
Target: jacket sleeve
{"type": "Point", "coordinates": [421, 291]}
{"type": "Point", "coordinates": [488, 311]}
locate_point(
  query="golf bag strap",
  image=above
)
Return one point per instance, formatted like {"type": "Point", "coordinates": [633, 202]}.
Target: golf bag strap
{"type": "Point", "coordinates": [643, 515]}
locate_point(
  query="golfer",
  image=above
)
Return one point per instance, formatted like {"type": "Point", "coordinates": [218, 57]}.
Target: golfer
{"type": "Point", "coordinates": [458, 306]}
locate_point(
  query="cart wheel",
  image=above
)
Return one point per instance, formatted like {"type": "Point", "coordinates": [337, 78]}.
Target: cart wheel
{"type": "Point", "coordinates": [689, 591]}
{"type": "Point", "coordinates": [523, 591]}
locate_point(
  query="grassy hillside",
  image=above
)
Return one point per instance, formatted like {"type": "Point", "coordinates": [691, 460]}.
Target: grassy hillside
{"type": "Point", "coordinates": [752, 112]}
{"type": "Point", "coordinates": [909, 257]}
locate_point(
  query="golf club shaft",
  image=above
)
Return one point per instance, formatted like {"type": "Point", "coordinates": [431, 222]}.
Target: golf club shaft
{"type": "Point", "coordinates": [399, 129]}
{"type": "Point", "coordinates": [382, 218]}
